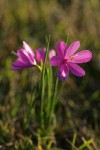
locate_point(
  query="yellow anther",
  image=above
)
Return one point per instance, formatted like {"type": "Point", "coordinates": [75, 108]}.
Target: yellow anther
{"type": "Point", "coordinates": [71, 57]}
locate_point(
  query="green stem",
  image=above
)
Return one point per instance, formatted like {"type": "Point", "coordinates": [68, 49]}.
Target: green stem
{"type": "Point", "coordinates": [54, 101]}
{"type": "Point", "coordinates": [39, 67]}
{"type": "Point", "coordinates": [43, 84]}
{"type": "Point", "coordinates": [49, 75]}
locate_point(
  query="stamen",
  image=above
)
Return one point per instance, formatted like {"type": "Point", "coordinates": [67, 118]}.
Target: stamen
{"type": "Point", "coordinates": [71, 57]}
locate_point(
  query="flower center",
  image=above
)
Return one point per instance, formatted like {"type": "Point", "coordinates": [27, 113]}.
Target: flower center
{"type": "Point", "coordinates": [64, 60]}
{"type": "Point", "coordinates": [71, 58]}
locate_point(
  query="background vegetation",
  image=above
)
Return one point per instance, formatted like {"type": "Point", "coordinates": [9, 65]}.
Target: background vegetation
{"type": "Point", "coordinates": [78, 112]}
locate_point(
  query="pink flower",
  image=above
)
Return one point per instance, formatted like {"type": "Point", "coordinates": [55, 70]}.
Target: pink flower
{"type": "Point", "coordinates": [67, 59]}
{"type": "Point", "coordinates": [25, 58]}
{"type": "Point", "coordinates": [40, 54]}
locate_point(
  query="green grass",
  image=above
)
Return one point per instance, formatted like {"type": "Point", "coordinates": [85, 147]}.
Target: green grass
{"type": "Point", "coordinates": [76, 120]}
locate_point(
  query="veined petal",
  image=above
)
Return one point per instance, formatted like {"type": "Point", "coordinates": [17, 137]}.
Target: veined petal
{"type": "Point", "coordinates": [76, 69]}
{"type": "Point", "coordinates": [72, 48]}
{"type": "Point", "coordinates": [55, 61]}
{"type": "Point", "coordinates": [63, 72]}
{"type": "Point", "coordinates": [61, 48]}
{"type": "Point", "coordinates": [82, 57]}
{"type": "Point", "coordinates": [25, 57]}
{"type": "Point", "coordinates": [19, 63]}
{"type": "Point", "coordinates": [28, 48]}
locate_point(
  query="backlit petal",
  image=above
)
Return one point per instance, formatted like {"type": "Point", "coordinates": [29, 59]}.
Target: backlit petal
{"type": "Point", "coordinates": [72, 48]}
{"type": "Point", "coordinates": [25, 57]}
{"type": "Point", "coordinates": [76, 70]}
{"type": "Point", "coordinates": [27, 48]}
{"type": "Point", "coordinates": [52, 53]}
{"type": "Point", "coordinates": [63, 72]}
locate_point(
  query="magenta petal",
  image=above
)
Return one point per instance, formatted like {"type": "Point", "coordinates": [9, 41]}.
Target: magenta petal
{"type": "Point", "coordinates": [26, 57]}
{"type": "Point", "coordinates": [61, 48]}
{"type": "Point", "coordinates": [76, 70]}
{"type": "Point", "coordinates": [27, 48]}
{"type": "Point", "coordinates": [72, 48]}
{"type": "Point", "coordinates": [19, 63]}
{"type": "Point", "coordinates": [23, 55]}
{"type": "Point", "coordinates": [55, 61]}
{"type": "Point", "coordinates": [40, 54]}
{"type": "Point", "coordinates": [63, 72]}
{"type": "Point", "coordinates": [82, 57]}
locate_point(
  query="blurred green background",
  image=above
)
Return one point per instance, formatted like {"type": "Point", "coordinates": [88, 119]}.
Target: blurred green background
{"type": "Point", "coordinates": [31, 21]}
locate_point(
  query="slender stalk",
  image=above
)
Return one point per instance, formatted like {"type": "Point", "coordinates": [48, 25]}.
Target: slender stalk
{"type": "Point", "coordinates": [39, 67]}
{"type": "Point", "coordinates": [49, 75]}
{"type": "Point", "coordinates": [74, 140]}
{"type": "Point", "coordinates": [43, 84]}
{"type": "Point", "coordinates": [53, 100]}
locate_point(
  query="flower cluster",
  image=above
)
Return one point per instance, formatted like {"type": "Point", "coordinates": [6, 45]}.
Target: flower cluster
{"type": "Point", "coordinates": [65, 57]}
{"type": "Point", "coordinates": [27, 58]}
